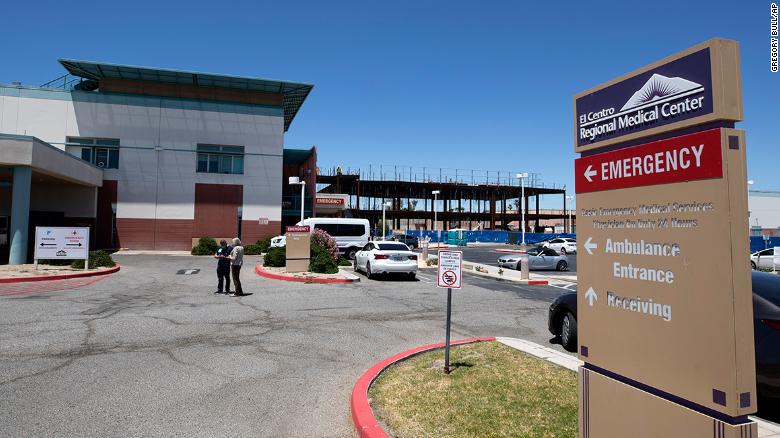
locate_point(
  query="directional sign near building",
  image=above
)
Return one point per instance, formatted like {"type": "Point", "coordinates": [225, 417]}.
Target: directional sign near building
{"type": "Point", "coordinates": [61, 243]}
{"type": "Point", "coordinates": [664, 293]}
{"type": "Point", "coordinates": [696, 86]}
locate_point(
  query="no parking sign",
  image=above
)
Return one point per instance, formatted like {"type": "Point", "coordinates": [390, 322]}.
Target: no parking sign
{"type": "Point", "coordinates": [450, 269]}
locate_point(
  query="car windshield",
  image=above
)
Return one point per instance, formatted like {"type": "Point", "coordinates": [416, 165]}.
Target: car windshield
{"type": "Point", "coordinates": [767, 286]}
{"type": "Point", "coordinates": [392, 247]}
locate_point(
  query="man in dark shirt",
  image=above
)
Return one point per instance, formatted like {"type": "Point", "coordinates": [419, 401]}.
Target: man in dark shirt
{"type": "Point", "coordinates": [223, 267]}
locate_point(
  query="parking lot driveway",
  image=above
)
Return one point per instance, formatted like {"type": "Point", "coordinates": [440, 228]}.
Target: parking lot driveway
{"type": "Point", "coordinates": [148, 352]}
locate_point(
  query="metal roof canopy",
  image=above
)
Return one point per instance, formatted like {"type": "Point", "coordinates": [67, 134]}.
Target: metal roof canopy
{"type": "Point", "coordinates": [293, 93]}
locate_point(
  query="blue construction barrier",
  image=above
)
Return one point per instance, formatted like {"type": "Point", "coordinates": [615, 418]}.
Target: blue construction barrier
{"type": "Point", "coordinates": [757, 243]}
{"type": "Point", "coordinates": [490, 236]}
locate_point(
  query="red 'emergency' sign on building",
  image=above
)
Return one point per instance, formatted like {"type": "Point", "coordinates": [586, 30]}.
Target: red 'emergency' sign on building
{"type": "Point", "coordinates": [685, 158]}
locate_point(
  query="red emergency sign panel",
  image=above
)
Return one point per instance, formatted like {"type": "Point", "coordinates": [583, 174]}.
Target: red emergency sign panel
{"type": "Point", "coordinates": [685, 158]}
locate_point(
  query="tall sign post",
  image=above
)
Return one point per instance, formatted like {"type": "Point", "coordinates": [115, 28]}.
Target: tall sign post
{"type": "Point", "coordinates": [664, 294]}
{"type": "Point", "coordinates": [449, 276]}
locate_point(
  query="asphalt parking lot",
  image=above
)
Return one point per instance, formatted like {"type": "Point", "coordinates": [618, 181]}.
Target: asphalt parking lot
{"type": "Point", "coordinates": [148, 352]}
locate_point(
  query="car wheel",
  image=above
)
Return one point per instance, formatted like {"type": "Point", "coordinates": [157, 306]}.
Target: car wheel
{"type": "Point", "coordinates": [351, 253]}
{"type": "Point", "coordinates": [752, 265]}
{"type": "Point", "coordinates": [368, 271]}
{"type": "Point", "coordinates": [412, 275]}
{"type": "Point", "coordinates": [569, 332]}
{"type": "Point", "coordinates": [355, 265]}
{"type": "Point", "coordinates": [519, 267]}
{"type": "Point", "coordinates": [562, 266]}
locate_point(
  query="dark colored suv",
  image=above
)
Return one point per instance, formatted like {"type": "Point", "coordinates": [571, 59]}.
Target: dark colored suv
{"type": "Point", "coordinates": [411, 241]}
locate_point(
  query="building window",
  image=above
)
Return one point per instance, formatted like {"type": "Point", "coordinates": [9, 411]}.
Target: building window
{"type": "Point", "coordinates": [102, 152]}
{"type": "Point", "coordinates": [220, 159]}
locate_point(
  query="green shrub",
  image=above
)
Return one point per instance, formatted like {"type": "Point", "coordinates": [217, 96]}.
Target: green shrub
{"type": "Point", "coordinates": [321, 261]}
{"type": "Point", "coordinates": [433, 261]}
{"type": "Point", "coordinates": [275, 258]}
{"type": "Point", "coordinates": [97, 259]}
{"type": "Point", "coordinates": [343, 261]}
{"type": "Point", "coordinates": [258, 247]}
{"type": "Point", "coordinates": [205, 246]}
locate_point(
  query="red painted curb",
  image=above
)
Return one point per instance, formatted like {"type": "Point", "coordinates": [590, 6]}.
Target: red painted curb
{"type": "Point", "coordinates": [59, 277]}
{"type": "Point", "coordinates": [263, 273]}
{"type": "Point", "coordinates": [538, 282]}
{"type": "Point", "coordinates": [362, 414]}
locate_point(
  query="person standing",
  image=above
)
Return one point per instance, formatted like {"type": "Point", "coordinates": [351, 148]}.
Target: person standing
{"type": "Point", "coordinates": [223, 267]}
{"type": "Point", "coordinates": [236, 261]}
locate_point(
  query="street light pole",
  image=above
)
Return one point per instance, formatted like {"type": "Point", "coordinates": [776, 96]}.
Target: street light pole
{"type": "Point", "coordinates": [522, 177]}
{"type": "Point", "coordinates": [435, 223]}
{"type": "Point", "coordinates": [296, 180]}
{"type": "Point", "coordinates": [570, 198]}
{"type": "Point", "coordinates": [384, 223]}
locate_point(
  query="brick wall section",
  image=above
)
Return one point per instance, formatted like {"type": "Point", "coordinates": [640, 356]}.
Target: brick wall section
{"type": "Point", "coordinates": [252, 231]}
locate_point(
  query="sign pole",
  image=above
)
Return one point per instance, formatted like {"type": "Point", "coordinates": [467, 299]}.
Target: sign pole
{"type": "Point", "coordinates": [447, 335]}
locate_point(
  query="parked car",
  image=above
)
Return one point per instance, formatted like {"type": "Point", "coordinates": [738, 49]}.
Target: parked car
{"type": "Point", "coordinates": [563, 245]}
{"type": "Point", "coordinates": [763, 259]}
{"type": "Point", "coordinates": [538, 258]}
{"type": "Point", "coordinates": [350, 234]}
{"type": "Point", "coordinates": [278, 242]}
{"type": "Point", "coordinates": [385, 258]}
{"type": "Point", "coordinates": [562, 323]}
{"type": "Point", "coordinates": [410, 240]}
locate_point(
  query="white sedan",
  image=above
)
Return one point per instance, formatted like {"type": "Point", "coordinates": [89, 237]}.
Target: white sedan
{"type": "Point", "coordinates": [562, 245]}
{"type": "Point", "coordinates": [386, 258]}
{"type": "Point", "coordinates": [279, 242]}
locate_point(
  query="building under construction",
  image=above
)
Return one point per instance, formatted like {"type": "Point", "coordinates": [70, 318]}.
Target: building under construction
{"type": "Point", "coordinates": [465, 199]}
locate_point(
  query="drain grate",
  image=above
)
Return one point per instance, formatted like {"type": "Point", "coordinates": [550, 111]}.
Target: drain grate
{"type": "Point", "coordinates": [187, 271]}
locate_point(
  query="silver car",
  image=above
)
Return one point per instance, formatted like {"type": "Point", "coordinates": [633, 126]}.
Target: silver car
{"type": "Point", "coordinates": [538, 259]}
{"type": "Point", "coordinates": [764, 259]}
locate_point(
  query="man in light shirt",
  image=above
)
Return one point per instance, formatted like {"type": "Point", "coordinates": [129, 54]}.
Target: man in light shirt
{"type": "Point", "coordinates": [236, 261]}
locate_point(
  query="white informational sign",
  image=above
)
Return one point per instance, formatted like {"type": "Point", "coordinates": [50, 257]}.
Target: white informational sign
{"type": "Point", "coordinates": [450, 269]}
{"type": "Point", "coordinates": [61, 243]}
{"type": "Point", "coordinates": [776, 259]}
{"type": "Point", "coordinates": [262, 221]}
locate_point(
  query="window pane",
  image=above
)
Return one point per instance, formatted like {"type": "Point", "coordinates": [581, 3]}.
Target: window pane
{"type": "Point", "coordinates": [203, 163]}
{"type": "Point", "coordinates": [101, 157]}
{"type": "Point", "coordinates": [207, 148]}
{"type": "Point", "coordinates": [213, 163]}
{"type": "Point", "coordinates": [86, 154]}
{"type": "Point", "coordinates": [113, 158]}
{"type": "Point", "coordinates": [226, 164]}
{"type": "Point", "coordinates": [238, 165]}
{"type": "Point", "coordinates": [107, 142]}
{"type": "Point", "coordinates": [77, 140]}
{"type": "Point", "coordinates": [233, 149]}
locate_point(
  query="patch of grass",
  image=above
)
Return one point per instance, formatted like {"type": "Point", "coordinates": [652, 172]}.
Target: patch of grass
{"type": "Point", "coordinates": [493, 391]}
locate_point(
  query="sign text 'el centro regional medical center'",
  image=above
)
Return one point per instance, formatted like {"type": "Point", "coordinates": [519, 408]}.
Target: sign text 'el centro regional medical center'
{"type": "Point", "coordinates": [696, 86]}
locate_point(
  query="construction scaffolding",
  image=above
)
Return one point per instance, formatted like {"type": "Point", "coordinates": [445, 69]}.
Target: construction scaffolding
{"type": "Point", "coordinates": [467, 199]}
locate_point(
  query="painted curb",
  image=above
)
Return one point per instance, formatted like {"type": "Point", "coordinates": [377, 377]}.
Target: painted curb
{"type": "Point", "coordinates": [59, 276]}
{"type": "Point", "coordinates": [362, 414]}
{"type": "Point", "coordinates": [265, 274]}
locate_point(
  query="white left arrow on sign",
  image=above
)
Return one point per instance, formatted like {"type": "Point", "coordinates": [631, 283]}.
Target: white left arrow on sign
{"type": "Point", "coordinates": [590, 246]}
{"type": "Point", "coordinates": [590, 173]}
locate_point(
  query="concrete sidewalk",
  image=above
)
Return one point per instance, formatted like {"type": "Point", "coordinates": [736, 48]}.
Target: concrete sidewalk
{"type": "Point", "coordinates": [766, 429]}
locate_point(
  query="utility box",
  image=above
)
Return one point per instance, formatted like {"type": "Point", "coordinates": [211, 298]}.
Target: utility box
{"type": "Point", "coordinates": [457, 237]}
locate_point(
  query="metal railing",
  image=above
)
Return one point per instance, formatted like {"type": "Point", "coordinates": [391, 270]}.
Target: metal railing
{"type": "Point", "coordinates": [402, 173]}
{"type": "Point", "coordinates": [65, 82]}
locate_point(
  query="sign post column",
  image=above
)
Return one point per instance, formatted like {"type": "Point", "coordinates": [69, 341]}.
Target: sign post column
{"type": "Point", "coordinates": [449, 276]}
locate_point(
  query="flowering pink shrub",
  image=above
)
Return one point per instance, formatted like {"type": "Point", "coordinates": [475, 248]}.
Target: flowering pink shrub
{"type": "Point", "coordinates": [326, 242]}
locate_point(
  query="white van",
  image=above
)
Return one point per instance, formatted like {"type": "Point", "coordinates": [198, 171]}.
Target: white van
{"type": "Point", "coordinates": [350, 234]}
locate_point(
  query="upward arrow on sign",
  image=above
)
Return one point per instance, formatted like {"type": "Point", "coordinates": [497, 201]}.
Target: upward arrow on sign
{"type": "Point", "coordinates": [590, 295]}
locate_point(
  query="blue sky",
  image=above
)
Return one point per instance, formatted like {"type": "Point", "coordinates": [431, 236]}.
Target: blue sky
{"type": "Point", "coordinates": [472, 85]}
